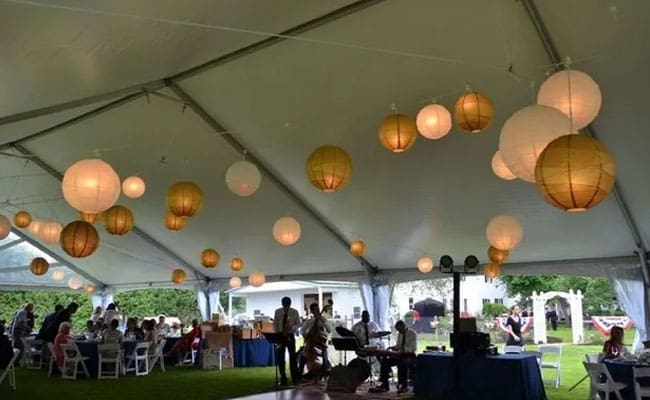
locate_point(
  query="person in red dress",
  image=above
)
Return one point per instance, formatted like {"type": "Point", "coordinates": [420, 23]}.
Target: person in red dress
{"type": "Point", "coordinates": [186, 343]}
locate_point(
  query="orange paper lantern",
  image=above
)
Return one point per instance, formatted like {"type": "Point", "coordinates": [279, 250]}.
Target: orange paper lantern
{"type": "Point", "coordinates": [79, 239]}
{"type": "Point", "coordinates": [178, 276]}
{"type": "Point", "coordinates": [358, 248]}
{"type": "Point", "coordinates": [236, 264]}
{"type": "Point", "coordinates": [22, 219]}
{"type": "Point", "coordinates": [492, 270]}
{"type": "Point", "coordinates": [184, 199]}
{"type": "Point", "coordinates": [329, 168]}
{"type": "Point", "coordinates": [89, 217]}
{"type": "Point", "coordinates": [39, 266]}
{"type": "Point", "coordinates": [173, 222]}
{"type": "Point", "coordinates": [497, 256]}
{"type": "Point", "coordinates": [397, 132]}
{"type": "Point", "coordinates": [210, 258]}
{"type": "Point", "coordinates": [118, 220]}
{"type": "Point", "coordinates": [473, 112]}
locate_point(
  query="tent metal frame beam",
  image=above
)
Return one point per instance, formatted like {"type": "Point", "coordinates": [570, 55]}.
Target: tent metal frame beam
{"type": "Point", "coordinates": [59, 259]}
{"type": "Point", "coordinates": [142, 234]}
{"type": "Point", "coordinates": [554, 55]}
{"type": "Point", "coordinates": [11, 244]}
{"type": "Point", "coordinates": [26, 268]}
{"type": "Point", "coordinates": [218, 128]}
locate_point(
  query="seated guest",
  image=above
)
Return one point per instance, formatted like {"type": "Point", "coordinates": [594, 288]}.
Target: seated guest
{"type": "Point", "coordinates": [6, 350]}
{"type": "Point", "coordinates": [112, 335]}
{"type": "Point", "coordinates": [614, 347]}
{"type": "Point", "coordinates": [186, 343]}
{"type": "Point", "coordinates": [175, 330]}
{"type": "Point", "coordinates": [90, 332]}
{"type": "Point", "coordinates": [162, 327]}
{"type": "Point", "coordinates": [111, 313]}
{"type": "Point", "coordinates": [150, 334]}
{"type": "Point", "coordinates": [133, 332]}
{"type": "Point", "coordinates": [63, 337]}
{"type": "Point", "coordinates": [406, 343]}
{"type": "Point", "coordinates": [365, 329]}
{"type": "Point", "coordinates": [99, 325]}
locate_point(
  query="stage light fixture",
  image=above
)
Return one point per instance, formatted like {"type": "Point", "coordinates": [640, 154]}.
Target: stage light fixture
{"type": "Point", "coordinates": [446, 264]}
{"type": "Point", "coordinates": [471, 265]}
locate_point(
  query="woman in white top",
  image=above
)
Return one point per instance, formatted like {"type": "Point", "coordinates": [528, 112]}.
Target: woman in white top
{"type": "Point", "coordinates": [97, 314]}
{"type": "Point", "coordinates": [112, 335]}
{"type": "Point", "coordinates": [111, 314]}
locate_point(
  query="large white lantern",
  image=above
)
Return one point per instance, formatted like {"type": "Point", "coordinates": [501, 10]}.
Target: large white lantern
{"type": "Point", "coordinates": [500, 168]}
{"type": "Point", "coordinates": [50, 232]}
{"type": "Point", "coordinates": [574, 93]}
{"type": "Point", "coordinates": [433, 121]}
{"type": "Point", "coordinates": [133, 187]}
{"type": "Point", "coordinates": [504, 232]}
{"type": "Point", "coordinates": [58, 275]}
{"type": "Point", "coordinates": [91, 186]}
{"type": "Point", "coordinates": [526, 134]}
{"type": "Point", "coordinates": [286, 231]}
{"type": "Point", "coordinates": [243, 178]}
{"type": "Point", "coordinates": [235, 282]}
{"type": "Point", "coordinates": [425, 264]}
{"type": "Point", "coordinates": [5, 227]}
{"type": "Point", "coordinates": [35, 227]}
{"type": "Point", "coordinates": [74, 283]}
{"type": "Point", "coordinates": [256, 279]}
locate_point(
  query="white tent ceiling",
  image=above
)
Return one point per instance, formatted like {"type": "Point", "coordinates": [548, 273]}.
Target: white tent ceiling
{"type": "Point", "coordinates": [331, 82]}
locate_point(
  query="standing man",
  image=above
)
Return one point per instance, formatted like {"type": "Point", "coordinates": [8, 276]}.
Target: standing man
{"type": "Point", "coordinates": [285, 322]}
{"type": "Point", "coordinates": [20, 327]}
{"type": "Point", "coordinates": [552, 316]}
{"type": "Point", "coordinates": [64, 315]}
{"type": "Point", "coordinates": [403, 358]}
{"type": "Point", "coordinates": [365, 329]}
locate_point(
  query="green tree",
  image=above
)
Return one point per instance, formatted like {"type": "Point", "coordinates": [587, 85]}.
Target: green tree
{"type": "Point", "coordinates": [44, 302]}
{"type": "Point", "coordinates": [238, 303]}
{"type": "Point", "coordinates": [180, 303]}
{"type": "Point", "coordinates": [493, 310]}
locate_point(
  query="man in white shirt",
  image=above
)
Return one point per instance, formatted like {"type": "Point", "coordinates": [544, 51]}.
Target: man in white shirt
{"type": "Point", "coordinates": [286, 321]}
{"type": "Point", "coordinates": [403, 358]}
{"type": "Point", "coordinates": [365, 330]}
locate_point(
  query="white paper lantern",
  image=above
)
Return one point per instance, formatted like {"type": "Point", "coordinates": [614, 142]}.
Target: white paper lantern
{"type": "Point", "coordinates": [504, 232]}
{"type": "Point", "coordinates": [526, 134]}
{"type": "Point", "coordinates": [58, 275]}
{"type": "Point", "coordinates": [235, 282]}
{"type": "Point", "coordinates": [35, 227]}
{"type": "Point", "coordinates": [574, 93]}
{"type": "Point", "coordinates": [425, 264]}
{"type": "Point", "coordinates": [5, 227]}
{"type": "Point", "coordinates": [433, 121]}
{"type": "Point", "coordinates": [50, 232]}
{"type": "Point", "coordinates": [256, 279]}
{"type": "Point", "coordinates": [286, 231]}
{"type": "Point", "coordinates": [74, 283]}
{"type": "Point", "coordinates": [500, 168]}
{"type": "Point", "coordinates": [133, 187]}
{"type": "Point", "coordinates": [91, 186]}
{"type": "Point", "coordinates": [243, 178]}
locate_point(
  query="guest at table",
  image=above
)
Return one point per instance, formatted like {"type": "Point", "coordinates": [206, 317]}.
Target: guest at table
{"type": "Point", "coordinates": [63, 337]}
{"type": "Point", "coordinates": [6, 350]}
{"type": "Point", "coordinates": [64, 315]}
{"type": "Point", "coordinates": [99, 325]}
{"type": "Point", "coordinates": [90, 332]}
{"type": "Point", "coordinates": [406, 343]}
{"type": "Point", "coordinates": [614, 347]}
{"type": "Point", "coordinates": [185, 343]}
{"type": "Point", "coordinates": [111, 313]}
{"type": "Point", "coordinates": [286, 321]}
{"type": "Point", "coordinates": [513, 327]}
{"type": "Point", "coordinates": [175, 330]}
{"type": "Point", "coordinates": [133, 331]}
{"type": "Point", "coordinates": [112, 335]}
{"type": "Point", "coordinates": [97, 314]}
{"type": "Point", "coordinates": [150, 334]}
{"type": "Point", "coordinates": [162, 327]}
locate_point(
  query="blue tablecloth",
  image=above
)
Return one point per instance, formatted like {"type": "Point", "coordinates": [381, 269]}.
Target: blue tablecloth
{"type": "Point", "coordinates": [253, 353]}
{"type": "Point", "coordinates": [503, 377]}
{"type": "Point", "coordinates": [622, 371]}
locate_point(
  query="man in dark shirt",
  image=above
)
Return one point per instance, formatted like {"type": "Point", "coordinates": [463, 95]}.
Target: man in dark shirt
{"type": "Point", "coordinates": [47, 321]}
{"type": "Point", "coordinates": [64, 315]}
{"type": "Point", "coordinates": [6, 350]}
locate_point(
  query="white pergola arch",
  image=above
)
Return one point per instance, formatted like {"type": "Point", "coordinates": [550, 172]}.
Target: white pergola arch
{"type": "Point", "coordinates": [539, 314]}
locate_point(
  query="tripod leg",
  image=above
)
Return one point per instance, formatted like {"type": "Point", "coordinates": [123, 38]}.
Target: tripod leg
{"type": "Point", "coordinates": [579, 382]}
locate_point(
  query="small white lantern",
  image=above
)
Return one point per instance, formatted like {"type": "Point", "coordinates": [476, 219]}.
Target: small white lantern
{"type": "Point", "coordinates": [5, 227]}
{"type": "Point", "coordinates": [574, 93]}
{"type": "Point", "coordinates": [50, 232]}
{"type": "Point", "coordinates": [256, 279]}
{"type": "Point", "coordinates": [504, 232]}
{"type": "Point", "coordinates": [133, 187]}
{"type": "Point", "coordinates": [433, 121]}
{"type": "Point", "coordinates": [74, 283]}
{"type": "Point", "coordinates": [243, 178]}
{"type": "Point", "coordinates": [235, 282]}
{"type": "Point", "coordinates": [526, 134]}
{"type": "Point", "coordinates": [91, 186]}
{"type": "Point", "coordinates": [286, 231]}
{"type": "Point", "coordinates": [35, 227]}
{"type": "Point", "coordinates": [425, 264]}
{"type": "Point", "coordinates": [58, 275]}
{"type": "Point", "coordinates": [500, 168]}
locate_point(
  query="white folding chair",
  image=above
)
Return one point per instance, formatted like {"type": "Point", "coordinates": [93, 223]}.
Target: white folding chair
{"type": "Point", "coordinates": [641, 391]}
{"type": "Point", "coordinates": [139, 359]}
{"type": "Point", "coordinates": [109, 354]}
{"type": "Point", "coordinates": [555, 362]}
{"type": "Point", "coordinates": [33, 351]}
{"type": "Point", "coordinates": [50, 347]}
{"type": "Point", "coordinates": [158, 356]}
{"type": "Point", "coordinates": [190, 356]}
{"type": "Point", "coordinates": [513, 349]}
{"type": "Point", "coordinates": [10, 371]}
{"type": "Point", "coordinates": [594, 358]}
{"type": "Point", "coordinates": [595, 372]}
{"type": "Point", "coordinates": [71, 359]}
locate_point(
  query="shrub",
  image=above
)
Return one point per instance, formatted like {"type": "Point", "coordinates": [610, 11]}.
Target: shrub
{"type": "Point", "coordinates": [494, 310]}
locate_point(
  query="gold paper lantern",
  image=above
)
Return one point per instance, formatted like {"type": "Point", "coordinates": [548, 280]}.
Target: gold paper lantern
{"type": "Point", "coordinates": [575, 173]}
{"type": "Point", "coordinates": [492, 270]}
{"type": "Point", "coordinates": [504, 232]}
{"type": "Point", "coordinates": [173, 222]}
{"type": "Point", "coordinates": [473, 112]}
{"type": "Point", "coordinates": [133, 187]}
{"type": "Point", "coordinates": [39, 266]}
{"type": "Point", "coordinates": [500, 168]}
{"type": "Point", "coordinates": [79, 239]}
{"type": "Point", "coordinates": [397, 132]}
{"type": "Point", "coordinates": [35, 227]}
{"type": "Point", "coordinates": [91, 186]}
{"type": "Point", "coordinates": [425, 265]}
{"type": "Point", "coordinates": [75, 283]}
{"type": "Point", "coordinates": [50, 232]}
{"type": "Point", "coordinates": [286, 231]}
{"type": "Point", "coordinates": [89, 288]}
{"type": "Point", "coordinates": [256, 279]}
{"type": "Point", "coordinates": [210, 258]}
{"type": "Point", "coordinates": [235, 282]}
{"type": "Point", "coordinates": [433, 121]}
{"type": "Point", "coordinates": [184, 199]}
{"type": "Point", "coordinates": [497, 256]}
{"type": "Point", "coordinates": [5, 227]}
{"type": "Point", "coordinates": [118, 220]}
{"type": "Point", "coordinates": [236, 264]}
{"type": "Point", "coordinates": [358, 248]}
{"type": "Point", "coordinates": [329, 168]}
{"type": "Point", "coordinates": [574, 93]}
{"type": "Point", "coordinates": [58, 275]}
{"type": "Point", "coordinates": [90, 218]}
{"type": "Point", "coordinates": [22, 219]}
{"type": "Point", "coordinates": [178, 276]}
